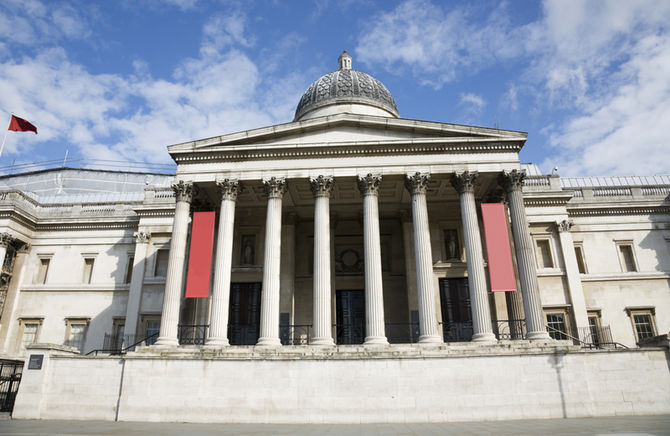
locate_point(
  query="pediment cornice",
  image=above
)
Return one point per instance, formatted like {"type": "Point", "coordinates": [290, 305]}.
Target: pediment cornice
{"type": "Point", "coordinates": [277, 139]}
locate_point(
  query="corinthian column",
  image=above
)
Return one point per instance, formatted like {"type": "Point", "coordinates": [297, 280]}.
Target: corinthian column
{"type": "Point", "coordinates": [322, 333]}
{"type": "Point", "coordinates": [416, 185]}
{"type": "Point", "coordinates": [269, 328]}
{"type": "Point", "coordinates": [184, 192]}
{"type": "Point", "coordinates": [479, 302]}
{"type": "Point", "coordinates": [523, 243]}
{"type": "Point", "coordinates": [374, 293]}
{"type": "Point", "coordinates": [218, 329]}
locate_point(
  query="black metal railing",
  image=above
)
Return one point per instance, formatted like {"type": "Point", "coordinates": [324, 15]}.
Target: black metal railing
{"type": "Point", "coordinates": [115, 350]}
{"type": "Point", "coordinates": [10, 377]}
{"type": "Point", "coordinates": [598, 337]}
{"type": "Point", "coordinates": [457, 331]}
{"type": "Point", "coordinates": [584, 344]}
{"type": "Point", "coordinates": [402, 332]}
{"type": "Point", "coordinates": [295, 334]}
{"type": "Point", "coordinates": [192, 334]}
{"type": "Point", "coordinates": [349, 334]}
{"type": "Point", "coordinates": [510, 329]}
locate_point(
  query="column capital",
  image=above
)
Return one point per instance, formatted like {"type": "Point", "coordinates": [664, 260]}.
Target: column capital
{"type": "Point", "coordinates": [416, 183]}
{"type": "Point", "coordinates": [321, 186]}
{"type": "Point", "coordinates": [142, 237]}
{"type": "Point", "coordinates": [369, 184]}
{"type": "Point", "coordinates": [464, 182]}
{"type": "Point", "coordinates": [512, 180]}
{"type": "Point", "coordinates": [229, 188]}
{"type": "Point", "coordinates": [24, 248]}
{"type": "Point", "coordinates": [184, 191]}
{"type": "Point", "coordinates": [275, 187]}
{"type": "Point", "coordinates": [564, 226]}
{"type": "Point", "coordinates": [6, 239]}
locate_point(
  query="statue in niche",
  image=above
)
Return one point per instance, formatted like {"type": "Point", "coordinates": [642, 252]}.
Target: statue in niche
{"type": "Point", "coordinates": [248, 244]}
{"type": "Point", "coordinates": [452, 245]}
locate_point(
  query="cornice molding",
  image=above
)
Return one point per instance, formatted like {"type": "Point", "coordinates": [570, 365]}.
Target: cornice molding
{"type": "Point", "coordinates": [357, 149]}
{"type": "Point", "coordinates": [614, 210]}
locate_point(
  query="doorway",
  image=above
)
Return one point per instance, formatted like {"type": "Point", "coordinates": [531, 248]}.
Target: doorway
{"type": "Point", "coordinates": [245, 313]}
{"type": "Point", "coordinates": [456, 312]}
{"type": "Point", "coordinates": [350, 317]}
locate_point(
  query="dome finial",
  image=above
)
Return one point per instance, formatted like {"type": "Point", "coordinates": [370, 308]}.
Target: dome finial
{"type": "Point", "coordinates": [344, 61]}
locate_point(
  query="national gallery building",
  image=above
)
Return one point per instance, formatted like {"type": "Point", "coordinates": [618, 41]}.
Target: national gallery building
{"type": "Point", "coordinates": [349, 266]}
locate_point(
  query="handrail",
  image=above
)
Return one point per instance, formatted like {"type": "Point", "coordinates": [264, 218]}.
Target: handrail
{"type": "Point", "coordinates": [122, 350]}
{"type": "Point", "coordinates": [585, 344]}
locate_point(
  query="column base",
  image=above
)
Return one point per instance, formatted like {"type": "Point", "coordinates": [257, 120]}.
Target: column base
{"type": "Point", "coordinates": [484, 337]}
{"type": "Point", "coordinates": [539, 336]}
{"type": "Point", "coordinates": [322, 342]}
{"type": "Point", "coordinates": [164, 341]}
{"type": "Point", "coordinates": [268, 342]}
{"type": "Point", "coordinates": [430, 339]}
{"type": "Point", "coordinates": [217, 342]}
{"type": "Point", "coordinates": [376, 340]}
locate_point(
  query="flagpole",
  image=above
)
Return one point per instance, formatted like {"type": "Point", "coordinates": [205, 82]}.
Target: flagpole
{"type": "Point", "coordinates": [2, 147]}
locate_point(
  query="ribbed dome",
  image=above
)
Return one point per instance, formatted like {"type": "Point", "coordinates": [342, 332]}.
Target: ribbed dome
{"type": "Point", "coordinates": [346, 86]}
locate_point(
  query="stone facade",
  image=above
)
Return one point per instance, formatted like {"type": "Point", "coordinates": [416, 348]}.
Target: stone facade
{"type": "Point", "coordinates": [350, 236]}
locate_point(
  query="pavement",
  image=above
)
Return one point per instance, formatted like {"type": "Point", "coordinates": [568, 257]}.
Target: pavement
{"type": "Point", "coordinates": [619, 425]}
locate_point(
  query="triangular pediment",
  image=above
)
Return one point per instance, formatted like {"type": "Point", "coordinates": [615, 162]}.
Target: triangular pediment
{"type": "Point", "coordinates": [348, 130]}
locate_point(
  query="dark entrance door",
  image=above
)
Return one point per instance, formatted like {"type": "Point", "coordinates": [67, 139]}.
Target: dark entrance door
{"type": "Point", "coordinates": [456, 313]}
{"type": "Point", "coordinates": [350, 317]}
{"type": "Point", "coordinates": [245, 313]}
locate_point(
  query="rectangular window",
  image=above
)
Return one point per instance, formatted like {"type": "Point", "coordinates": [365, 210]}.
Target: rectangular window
{"type": "Point", "coordinates": [557, 328]}
{"type": "Point", "coordinates": [129, 269]}
{"type": "Point", "coordinates": [544, 254]}
{"type": "Point", "coordinates": [160, 269]}
{"type": "Point", "coordinates": [43, 270]}
{"type": "Point", "coordinates": [151, 325]}
{"type": "Point", "coordinates": [627, 258]}
{"type": "Point", "coordinates": [119, 332]}
{"type": "Point", "coordinates": [88, 270]}
{"type": "Point", "coordinates": [30, 332]}
{"type": "Point", "coordinates": [579, 254]}
{"type": "Point", "coordinates": [595, 335]}
{"type": "Point", "coordinates": [643, 322]}
{"type": "Point", "coordinates": [75, 332]}
{"type": "Point", "coordinates": [643, 326]}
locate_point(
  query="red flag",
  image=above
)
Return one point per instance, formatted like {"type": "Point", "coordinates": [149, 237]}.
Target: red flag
{"type": "Point", "coordinates": [20, 125]}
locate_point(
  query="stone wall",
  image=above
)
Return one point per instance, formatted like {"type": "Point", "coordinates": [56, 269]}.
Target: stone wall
{"type": "Point", "coordinates": [349, 385]}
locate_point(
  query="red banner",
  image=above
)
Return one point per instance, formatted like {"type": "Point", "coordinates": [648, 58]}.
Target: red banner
{"type": "Point", "coordinates": [501, 270]}
{"type": "Point", "coordinates": [200, 255]}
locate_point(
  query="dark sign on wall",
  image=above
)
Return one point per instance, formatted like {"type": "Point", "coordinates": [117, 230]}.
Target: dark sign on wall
{"type": "Point", "coordinates": [35, 361]}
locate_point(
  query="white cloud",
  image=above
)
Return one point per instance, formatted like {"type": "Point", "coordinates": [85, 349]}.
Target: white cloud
{"type": "Point", "coordinates": [134, 117]}
{"type": "Point", "coordinates": [437, 45]}
{"type": "Point", "coordinates": [623, 132]}
{"type": "Point", "coordinates": [32, 22]}
{"type": "Point", "coordinates": [475, 101]}
{"type": "Point", "coordinates": [601, 63]}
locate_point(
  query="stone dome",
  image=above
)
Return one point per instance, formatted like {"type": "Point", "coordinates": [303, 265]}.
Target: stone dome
{"type": "Point", "coordinates": [345, 86]}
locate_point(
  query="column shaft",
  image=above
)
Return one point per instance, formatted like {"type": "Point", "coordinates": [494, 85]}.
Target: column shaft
{"type": "Point", "coordinates": [374, 293]}
{"type": "Point", "coordinates": [218, 328]}
{"type": "Point", "coordinates": [479, 302]}
{"type": "Point", "coordinates": [322, 332]}
{"type": "Point", "coordinates": [176, 260]}
{"type": "Point", "coordinates": [572, 273]}
{"type": "Point", "coordinates": [269, 328]}
{"type": "Point", "coordinates": [416, 185]}
{"type": "Point", "coordinates": [525, 254]}
{"type": "Point", "coordinates": [135, 292]}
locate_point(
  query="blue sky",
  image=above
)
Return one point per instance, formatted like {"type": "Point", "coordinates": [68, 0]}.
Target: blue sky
{"type": "Point", "coordinates": [121, 80]}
